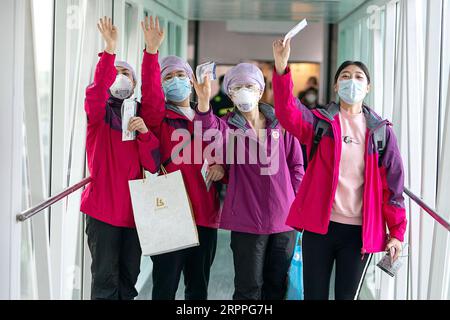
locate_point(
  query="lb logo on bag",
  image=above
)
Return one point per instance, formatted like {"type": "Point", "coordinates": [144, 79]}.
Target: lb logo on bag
{"type": "Point", "coordinates": [160, 203]}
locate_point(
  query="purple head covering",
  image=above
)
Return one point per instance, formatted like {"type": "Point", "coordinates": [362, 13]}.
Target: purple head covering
{"type": "Point", "coordinates": [243, 73]}
{"type": "Point", "coordinates": [173, 63]}
{"type": "Point", "coordinates": [127, 66]}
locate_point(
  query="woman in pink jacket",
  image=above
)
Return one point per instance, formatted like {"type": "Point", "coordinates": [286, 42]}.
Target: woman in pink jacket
{"type": "Point", "coordinates": [110, 228]}
{"type": "Point", "coordinates": [352, 190]}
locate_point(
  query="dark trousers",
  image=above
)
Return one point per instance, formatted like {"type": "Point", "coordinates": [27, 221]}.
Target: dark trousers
{"type": "Point", "coordinates": [116, 260]}
{"type": "Point", "coordinates": [342, 244]}
{"type": "Point", "coordinates": [195, 263]}
{"type": "Point", "coordinates": [261, 264]}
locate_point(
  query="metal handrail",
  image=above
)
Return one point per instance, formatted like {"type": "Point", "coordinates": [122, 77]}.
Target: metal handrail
{"type": "Point", "coordinates": [441, 220]}
{"type": "Point", "coordinates": [47, 203]}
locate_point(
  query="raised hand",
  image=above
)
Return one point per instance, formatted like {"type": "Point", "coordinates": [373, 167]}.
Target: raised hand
{"type": "Point", "coordinates": [281, 54]}
{"type": "Point", "coordinates": [110, 34]}
{"type": "Point", "coordinates": [203, 91]}
{"type": "Point", "coordinates": [154, 35]}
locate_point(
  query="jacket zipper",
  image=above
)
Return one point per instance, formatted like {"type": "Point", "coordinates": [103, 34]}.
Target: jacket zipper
{"type": "Point", "coordinates": [336, 170]}
{"type": "Point", "coordinates": [363, 250]}
{"type": "Point", "coordinates": [368, 137]}
{"type": "Point", "coordinates": [370, 133]}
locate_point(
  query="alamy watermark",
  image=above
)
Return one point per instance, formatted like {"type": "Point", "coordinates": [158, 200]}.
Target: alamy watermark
{"type": "Point", "coordinates": [229, 147]}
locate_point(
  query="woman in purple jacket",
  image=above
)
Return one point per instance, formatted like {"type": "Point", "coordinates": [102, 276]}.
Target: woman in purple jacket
{"type": "Point", "coordinates": [265, 168]}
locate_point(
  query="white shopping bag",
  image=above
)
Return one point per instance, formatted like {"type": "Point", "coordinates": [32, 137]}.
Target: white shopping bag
{"type": "Point", "coordinates": [163, 214]}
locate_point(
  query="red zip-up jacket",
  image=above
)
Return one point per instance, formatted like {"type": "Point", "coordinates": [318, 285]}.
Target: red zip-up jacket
{"type": "Point", "coordinates": [163, 120]}
{"type": "Point", "coordinates": [112, 162]}
{"type": "Point", "coordinates": [383, 203]}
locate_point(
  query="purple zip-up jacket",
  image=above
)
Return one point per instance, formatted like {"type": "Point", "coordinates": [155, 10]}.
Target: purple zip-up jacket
{"type": "Point", "coordinates": [261, 190]}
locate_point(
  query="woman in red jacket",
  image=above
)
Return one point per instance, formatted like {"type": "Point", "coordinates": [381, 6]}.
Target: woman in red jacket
{"type": "Point", "coordinates": [112, 236]}
{"type": "Point", "coordinates": [166, 108]}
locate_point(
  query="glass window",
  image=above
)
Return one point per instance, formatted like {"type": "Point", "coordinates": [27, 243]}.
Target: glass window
{"type": "Point", "coordinates": [42, 25]}
{"type": "Point", "coordinates": [128, 22]}
{"type": "Point", "coordinates": [178, 40]}
{"type": "Point", "coordinates": [43, 49]}
{"type": "Point", "coordinates": [164, 46]}
{"type": "Point", "coordinates": [171, 39]}
{"type": "Point", "coordinates": [445, 65]}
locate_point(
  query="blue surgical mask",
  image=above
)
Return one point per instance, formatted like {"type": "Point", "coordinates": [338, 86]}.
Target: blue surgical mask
{"type": "Point", "coordinates": [177, 89]}
{"type": "Point", "coordinates": [352, 91]}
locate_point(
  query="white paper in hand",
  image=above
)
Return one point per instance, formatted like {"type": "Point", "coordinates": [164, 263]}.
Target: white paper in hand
{"type": "Point", "coordinates": [208, 68]}
{"type": "Point", "coordinates": [293, 32]}
{"type": "Point", "coordinates": [205, 173]}
{"type": "Point", "coordinates": [129, 108]}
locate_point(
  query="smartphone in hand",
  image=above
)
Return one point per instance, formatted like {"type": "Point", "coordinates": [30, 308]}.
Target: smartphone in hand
{"type": "Point", "coordinates": [388, 265]}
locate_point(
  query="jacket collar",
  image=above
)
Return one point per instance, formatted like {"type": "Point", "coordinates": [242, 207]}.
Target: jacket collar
{"type": "Point", "coordinates": [372, 119]}
{"type": "Point", "coordinates": [238, 120]}
{"type": "Point", "coordinates": [174, 112]}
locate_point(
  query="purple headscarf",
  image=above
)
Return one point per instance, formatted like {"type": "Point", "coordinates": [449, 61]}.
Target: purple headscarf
{"type": "Point", "coordinates": [243, 73]}
{"type": "Point", "coordinates": [173, 63]}
{"type": "Point", "coordinates": [127, 66]}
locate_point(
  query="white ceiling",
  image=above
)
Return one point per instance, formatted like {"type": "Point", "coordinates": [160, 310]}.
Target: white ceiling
{"type": "Point", "coordinates": [330, 11]}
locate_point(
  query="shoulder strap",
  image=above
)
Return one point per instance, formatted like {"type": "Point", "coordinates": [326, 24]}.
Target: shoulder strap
{"type": "Point", "coordinates": [319, 131]}
{"type": "Point", "coordinates": [322, 126]}
{"type": "Point", "coordinates": [379, 136]}
{"type": "Point", "coordinates": [379, 140]}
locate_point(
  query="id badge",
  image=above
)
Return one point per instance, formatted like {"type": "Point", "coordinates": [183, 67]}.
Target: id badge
{"type": "Point", "coordinates": [128, 111]}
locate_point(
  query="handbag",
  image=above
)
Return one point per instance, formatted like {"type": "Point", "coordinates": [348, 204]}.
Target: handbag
{"type": "Point", "coordinates": [163, 212]}
{"type": "Point", "coordinates": [295, 274]}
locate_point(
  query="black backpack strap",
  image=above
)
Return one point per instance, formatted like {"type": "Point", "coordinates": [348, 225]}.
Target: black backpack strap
{"type": "Point", "coordinates": [379, 140]}
{"type": "Point", "coordinates": [319, 131]}
{"type": "Point", "coordinates": [322, 126]}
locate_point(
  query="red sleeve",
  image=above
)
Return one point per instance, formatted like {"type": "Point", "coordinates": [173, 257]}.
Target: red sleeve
{"type": "Point", "coordinates": [97, 93]}
{"type": "Point", "coordinates": [292, 114]}
{"type": "Point", "coordinates": [153, 100]}
{"type": "Point", "coordinates": [149, 156]}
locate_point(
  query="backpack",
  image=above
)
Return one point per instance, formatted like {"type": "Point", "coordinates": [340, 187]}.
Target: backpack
{"type": "Point", "coordinates": [379, 135]}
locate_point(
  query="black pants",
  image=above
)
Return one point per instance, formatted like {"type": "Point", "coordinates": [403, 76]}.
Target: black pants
{"type": "Point", "coordinates": [342, 244]}
{"type": "Point", "coordinates": [195, 263]}
{"type": "Point", "coordinates": [116, 260]}
{"type": "Point", "coordinates": [261, 264]}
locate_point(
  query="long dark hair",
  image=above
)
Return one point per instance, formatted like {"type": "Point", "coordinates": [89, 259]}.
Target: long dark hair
{"type": "Point", "coordinates": [359, 64]}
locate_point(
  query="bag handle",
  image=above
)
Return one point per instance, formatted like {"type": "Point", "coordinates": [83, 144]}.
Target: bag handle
{"type": "Point", "coordinates": [163, 166]}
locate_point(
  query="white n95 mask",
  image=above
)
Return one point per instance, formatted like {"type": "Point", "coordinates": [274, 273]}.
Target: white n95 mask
{"type": "Point", "coordinates": [246, 99]}
{"type": "Point", "coordinates": [122, 88]}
